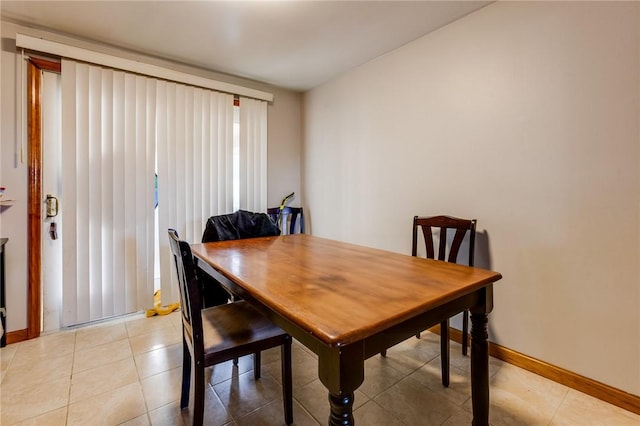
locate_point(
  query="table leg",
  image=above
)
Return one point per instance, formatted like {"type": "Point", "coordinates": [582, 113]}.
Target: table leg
{"type": "Point", "coordinates": [341, 410]}
{"type": "Point", "coordinates": [341, 370]}
{"type": "Point", "coordinates": [479, 369]}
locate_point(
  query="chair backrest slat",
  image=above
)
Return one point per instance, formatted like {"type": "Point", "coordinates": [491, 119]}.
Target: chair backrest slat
{"type": "Point", "coordinates": [456, 244]}
{"type": "Point", "coordinates": [442, 245]}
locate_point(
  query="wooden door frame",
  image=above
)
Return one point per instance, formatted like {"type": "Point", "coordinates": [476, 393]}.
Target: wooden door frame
{"type": "Point", "coordinates": [35, 67]}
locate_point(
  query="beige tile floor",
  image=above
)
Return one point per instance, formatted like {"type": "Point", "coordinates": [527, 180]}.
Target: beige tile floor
{"type": "Point", "coordinates": [127, 371]}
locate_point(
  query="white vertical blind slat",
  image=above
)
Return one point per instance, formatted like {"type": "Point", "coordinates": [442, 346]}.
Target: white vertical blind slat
{"type": "Point", "coordinates": [118, 195]}
{"type": "Point", "coordinates": [217, 139]}
{"type": "Point", "coordinates": [221, 159]}
{"type": "Point", "coordinates": [204, 162]}
{"type": "Point", "coordinates": [129, 192]}
{"type": "Point", "coordinates": [196, 171]}
{"type": "Point", "coordinates": [166, 191]}
{"type": "Point", "coordinates": [68, 194]}
{"type": "Point", "coordinates": [106, 153]}
{"type": "Point", "coordinates": [82, 192]}
{"type": "Point", "coordinates": [178, 144]}
{"type": "Point", "coordinates": [225, 146]}
{"type": "Point", "coordinates": [93, 214]}
{"type": "Point", "coordinates": [189, 143]}
{"type": "Point", "coordinates": [149, 192]}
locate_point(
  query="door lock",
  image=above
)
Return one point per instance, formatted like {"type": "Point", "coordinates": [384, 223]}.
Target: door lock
{"type": "Point", "coordinates": [52, 206]}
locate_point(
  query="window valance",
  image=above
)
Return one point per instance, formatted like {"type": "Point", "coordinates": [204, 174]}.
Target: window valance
{"type": "Point", "coordinates": [84, 55]}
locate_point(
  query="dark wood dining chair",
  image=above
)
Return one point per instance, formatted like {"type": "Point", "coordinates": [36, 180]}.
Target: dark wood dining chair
{"type": "Point", "coordinates": [448, 249]}
{"type": "Point", "coordinates": [221, 333]}
{"type": "Point", "coordinates": [287, 219]}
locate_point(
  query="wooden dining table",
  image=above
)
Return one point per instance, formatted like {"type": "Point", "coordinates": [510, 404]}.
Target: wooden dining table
{"type": "Point", "coordinates": [347, 303]}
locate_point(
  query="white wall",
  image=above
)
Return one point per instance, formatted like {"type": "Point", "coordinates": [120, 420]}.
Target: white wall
{"type": "Point", "coordinates": [524, 115]}
{"type": "Point", "coordinates": [284, 133]}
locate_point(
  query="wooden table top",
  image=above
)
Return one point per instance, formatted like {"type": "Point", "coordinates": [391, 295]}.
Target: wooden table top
{"type": "Point", "coordinates": [339, 292]}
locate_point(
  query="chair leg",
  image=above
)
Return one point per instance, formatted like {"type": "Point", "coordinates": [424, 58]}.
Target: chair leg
{"type": "Point", "coordinates": [465, 332]}
{"type": "Point", "coordinates": [444, 351]}
{"type": "Point", "coordinates": [186, 376]}
{"type": "Point", "coordinates": [287, 381]}
{"type": "Point", "coordinates": [256, 365]}
{"type": "Point", "coordinates": [198, 395]}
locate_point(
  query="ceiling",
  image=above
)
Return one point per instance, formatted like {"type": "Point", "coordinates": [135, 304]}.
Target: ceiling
{"type": "Point", "coordinates": [292, 44]}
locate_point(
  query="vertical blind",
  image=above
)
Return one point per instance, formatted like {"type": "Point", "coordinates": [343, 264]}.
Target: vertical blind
{"type": "Point", "coordinates": [253, 155]}
{"type": "Point", "coordinates": [108, 123]}
{"type": "Point", "coordinates": [195, 166]}
{"type": "Point", "coordinates": [120, 129]}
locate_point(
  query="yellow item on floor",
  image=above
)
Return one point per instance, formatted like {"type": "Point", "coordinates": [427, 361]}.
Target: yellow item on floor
{"type": "Point", "coordinates": [161, 310]}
